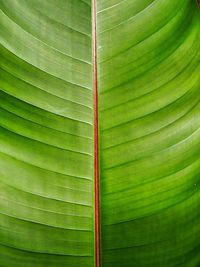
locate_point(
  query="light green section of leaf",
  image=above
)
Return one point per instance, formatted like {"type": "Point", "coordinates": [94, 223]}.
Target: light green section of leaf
{"type": "Point", "coordinates": [46, 133]}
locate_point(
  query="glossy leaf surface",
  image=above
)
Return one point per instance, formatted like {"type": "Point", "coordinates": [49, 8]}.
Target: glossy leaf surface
{"type": "Point", "coordinates": [148, 55]}
{"type": "Point", "coordinates": [149, 109]}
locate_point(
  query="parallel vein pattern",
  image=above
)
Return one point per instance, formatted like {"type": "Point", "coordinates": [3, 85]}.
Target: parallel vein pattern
{"type": "Point", "coordinates": [46, 134]}
{"type": "Point", "coordinates": [149, 110]}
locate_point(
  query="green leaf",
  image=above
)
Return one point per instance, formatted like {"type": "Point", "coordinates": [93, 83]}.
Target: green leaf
{"type": "Point", "coordinates": [148, 76]}
{"type": "Point", "coordinates": [46, 147]}
{"type": "Point", "coordinates": [147, 64]}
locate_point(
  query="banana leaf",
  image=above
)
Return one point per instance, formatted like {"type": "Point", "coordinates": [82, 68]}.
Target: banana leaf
{"type": "Point", "coordinates": [149, 116]}
{"type": "Point", "coordinates": [99, 133]}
